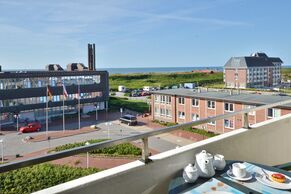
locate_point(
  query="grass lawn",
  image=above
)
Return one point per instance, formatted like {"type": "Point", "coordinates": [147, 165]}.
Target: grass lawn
{"type": "Point", "coordinates": [135, 81]}
{"type": "Point", "coordinates": [286, 73]}
{"type": "Point", "coordinates": [135, 105]}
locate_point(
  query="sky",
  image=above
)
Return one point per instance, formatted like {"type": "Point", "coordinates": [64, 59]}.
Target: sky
{"type": "Point", "coordinates": [136, 33]}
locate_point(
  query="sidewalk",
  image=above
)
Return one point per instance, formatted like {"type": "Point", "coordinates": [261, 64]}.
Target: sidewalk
{"type": "Point", "coordinates": [60, 134]}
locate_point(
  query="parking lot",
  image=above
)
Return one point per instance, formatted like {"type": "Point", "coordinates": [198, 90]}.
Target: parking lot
{"type": "Point", "coordinates": [14, 143]}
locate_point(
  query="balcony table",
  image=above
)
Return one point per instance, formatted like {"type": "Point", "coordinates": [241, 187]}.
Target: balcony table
{"type": "Point", "coordinates": [221, 182]}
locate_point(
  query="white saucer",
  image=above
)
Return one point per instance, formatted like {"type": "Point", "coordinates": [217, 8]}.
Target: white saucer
{"type": "Point", "coordinates": [266, 181]}
{"type": "Point", "coordinates": [248, 176]}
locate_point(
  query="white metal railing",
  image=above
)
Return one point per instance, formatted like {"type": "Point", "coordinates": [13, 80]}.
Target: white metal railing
{"type": "Point", "coordinates": [143, 136]}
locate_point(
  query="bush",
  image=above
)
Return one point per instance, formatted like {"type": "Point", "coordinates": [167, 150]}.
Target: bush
{"type": "Point", "coordinates": [193, 130]}
{"type": "Point", "coordinates": [121, 149]}
{"type": "Point", "coordinates": [167, 124]}
{"type": "Point", "coordinates": [34, 178]}
{"type": "Point", "coordinates": [77, 144]}
{"type": "Point", "coordinates": [200, 131]}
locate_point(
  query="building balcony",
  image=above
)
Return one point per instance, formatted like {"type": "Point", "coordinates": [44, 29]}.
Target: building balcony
{"type": "Point", "coordinates": [265, 143]}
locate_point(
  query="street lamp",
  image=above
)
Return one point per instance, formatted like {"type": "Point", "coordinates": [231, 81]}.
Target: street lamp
{"type": "Point", "coordinates": [2, 149]}
{"type": "Point", "coordinates": [108, 124]}
{"type": "Point", "coordinates": [86, 144]}
{"type": "Point", "coordinates": [121, 111]}
{"type": "Point", "coordinates": [17, 123]}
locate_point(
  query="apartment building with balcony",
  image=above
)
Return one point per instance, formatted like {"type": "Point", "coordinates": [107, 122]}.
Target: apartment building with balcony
{"type": "Point", "coordinates": [186, 105]}
{"type": "Point", "coordinates": [255, 71]}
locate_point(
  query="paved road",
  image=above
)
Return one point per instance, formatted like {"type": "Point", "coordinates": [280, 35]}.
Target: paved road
{"type": "Point", "coordinates": [13, 143]}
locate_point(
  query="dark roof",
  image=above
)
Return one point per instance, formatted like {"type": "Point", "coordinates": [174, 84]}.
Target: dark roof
{"type": "Point", "coordinates": [275, 60]}
{"type": "Point", "coordinates": [255, 60]}
{"type": "Point", "coordinates": [258, 54]}
{"type": "Point", "coordinates": [245, 62]}
{"type": "Point", "coordinates": [252, 99]}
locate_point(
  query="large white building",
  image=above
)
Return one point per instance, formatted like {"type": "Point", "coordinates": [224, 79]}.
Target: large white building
{"type": "Point", "coordinates": [255, 71]}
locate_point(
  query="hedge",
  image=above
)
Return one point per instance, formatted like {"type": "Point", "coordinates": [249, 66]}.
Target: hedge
{"type": "Point", "coordinates": [117, 150]}
{"type": "Point", "coordinates": [38, 177]}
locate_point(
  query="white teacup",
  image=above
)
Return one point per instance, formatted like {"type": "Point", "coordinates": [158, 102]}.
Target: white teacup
{"type": "Point", "coordinates": [239, 170]}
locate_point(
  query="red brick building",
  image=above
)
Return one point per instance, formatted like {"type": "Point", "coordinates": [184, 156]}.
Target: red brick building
{"type": "Point", "coordinates": [255, 71]}
{"type": "Point", "coordinates": [185, 105]}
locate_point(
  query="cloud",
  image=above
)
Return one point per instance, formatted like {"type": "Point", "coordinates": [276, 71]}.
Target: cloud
{"type": "Point", "coordinates": [60, 26]}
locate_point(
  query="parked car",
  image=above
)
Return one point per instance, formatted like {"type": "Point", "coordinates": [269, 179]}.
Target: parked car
{"type": "Point", "coordinates": [31, 127]}
{"type": "Point", "coordinates": [145, 93]}
{"type": "Point", "coordinates": [128, 119]}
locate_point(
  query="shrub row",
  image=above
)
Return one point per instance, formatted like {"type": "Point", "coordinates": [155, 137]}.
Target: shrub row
{"type": "Point", "coordinates": [193, 130]}
{"type": "Point", "coordinates": [117, 150]}
{"type": "Point", "coordinates": [31, 179]}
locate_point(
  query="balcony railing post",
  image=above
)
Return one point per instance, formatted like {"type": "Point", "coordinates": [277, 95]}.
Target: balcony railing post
{"type": "Point", "coordinates": [145, 150]}
{"type": "Point", "coordinates": [246, 121]}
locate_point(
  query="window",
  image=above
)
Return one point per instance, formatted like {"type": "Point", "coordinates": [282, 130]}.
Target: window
{"type": "Point", "coordinates": [181, 115]}
{"type": "Point", "coordinates": [273, 112]}
{"type": "Point", "coordinates": [163, 99]}
{"type": "Point", "coordinates": [250, 106]}
{"type": "Point", "coordinates": [195, 117]}
{"type": "Point", "coordinates": [228, 107]}
{"type": "Point", "coordinates": [211, 123]}
{"type": "Point", "coordinates": [195, 102]}
{"type": "Point", "coordinates": [162, 112]}
{"type": "Point", "coordinates": [168, 99]}
{"type": "Point", "coordinates": [168, 113]}
{"type": "Point", "coordinates": [228, 123]}
{"type": "Point", "coordinates": [156, 111]}
{"type": "Point", "coordinates": [156, 98]}
{"type": "Point", "coordinates": [211, 104]}
{"type": "Point", "coordinates": [181, 100]}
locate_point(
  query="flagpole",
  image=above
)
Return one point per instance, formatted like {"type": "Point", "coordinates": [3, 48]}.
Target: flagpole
{"type": "Point", "coordinates": [64, 109]}
{"type": "Point", "coordinates": [46, 110]}
{"type": "Point", "coordinates": [79, 115]}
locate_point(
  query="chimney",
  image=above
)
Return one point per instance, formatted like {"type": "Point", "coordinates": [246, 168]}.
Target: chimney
{"type": "Point", "coordinates": [91, 57]}
{"type": "Point", "coordinates": [0, 68]}
{"type": "Point", "coordinates": [94, 59]}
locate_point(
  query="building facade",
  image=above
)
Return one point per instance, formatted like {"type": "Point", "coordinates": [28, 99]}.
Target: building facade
{"type": "Point", "coordinates": [24, 93]}
{"type": "Point", "coordinates": [184, 105]}
{"type": "Point", "coordinates": [255, 71]}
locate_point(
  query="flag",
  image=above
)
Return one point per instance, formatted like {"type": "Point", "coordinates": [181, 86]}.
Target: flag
{"type": "Point", "coordinates": [49, 92]}
{"type": "Point", "coordinates": [65, 93]}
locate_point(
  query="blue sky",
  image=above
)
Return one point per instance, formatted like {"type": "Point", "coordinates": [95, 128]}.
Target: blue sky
{"type": "Point", "coordinates": [135, 33]}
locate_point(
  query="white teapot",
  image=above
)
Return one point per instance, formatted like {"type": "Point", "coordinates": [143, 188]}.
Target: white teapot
{"type": "Point", "coordinates": [204, 164]}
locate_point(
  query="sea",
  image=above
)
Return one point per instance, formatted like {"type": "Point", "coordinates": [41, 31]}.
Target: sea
{"type": "Point", "coordinates": [158, 69]}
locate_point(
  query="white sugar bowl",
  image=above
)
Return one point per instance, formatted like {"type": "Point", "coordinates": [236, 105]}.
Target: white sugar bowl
{"type": "Point", "coordinates": [190, 173]}
{"type": "Point", "coordinates": [219, 162]}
